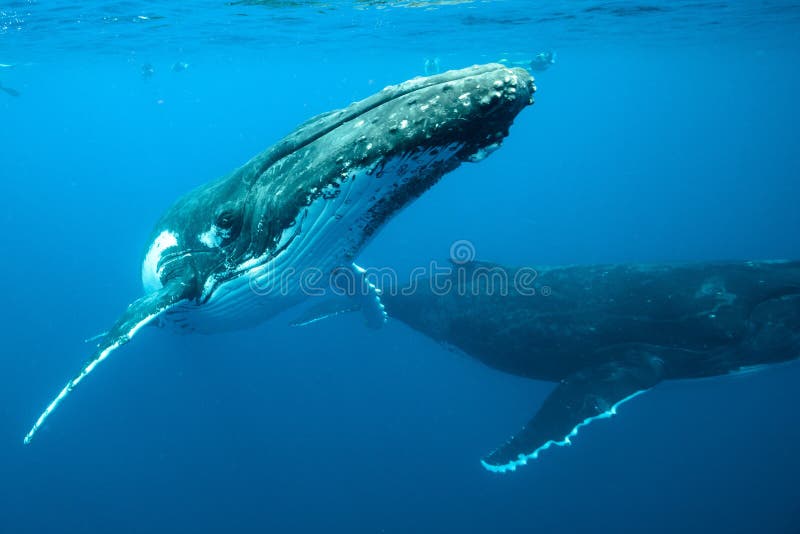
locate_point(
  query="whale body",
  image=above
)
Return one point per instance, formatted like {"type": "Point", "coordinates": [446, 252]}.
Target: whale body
{"type": "Point", "coordinates": [239, 250]}
{"type": "Point", "coordinates": [602, 333]}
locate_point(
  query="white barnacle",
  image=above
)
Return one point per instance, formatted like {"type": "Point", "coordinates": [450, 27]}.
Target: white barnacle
{"type": "Point", "coordinates": [403, 124]}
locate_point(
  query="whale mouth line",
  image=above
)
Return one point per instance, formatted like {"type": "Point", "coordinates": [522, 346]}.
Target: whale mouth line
{"type": "Point", "coordinates": [248, 266]}
{"type": "Point", "coordinates": [171, 257]}
{"type": "Point", "coordinates": [177, 259]}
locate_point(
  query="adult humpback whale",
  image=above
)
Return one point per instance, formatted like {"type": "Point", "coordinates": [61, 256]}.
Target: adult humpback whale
{"type": "Point", "coordinates": [230, 254]}
{"type": "Point", "coordinates": [604, 333]}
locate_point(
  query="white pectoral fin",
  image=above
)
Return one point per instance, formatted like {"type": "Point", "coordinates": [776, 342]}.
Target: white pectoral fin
{"type": "Point", "coordinates": [368, 297]}
{"type": "Point", "coordinates": [356, 294]}
{"type": "Point", "coordinates": [588, 395]}
{"type": "Point", "coordinates": [142, 312]}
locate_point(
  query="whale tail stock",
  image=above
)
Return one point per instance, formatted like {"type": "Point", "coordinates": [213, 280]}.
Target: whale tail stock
{"type": "Point", "coordinates": [140, 313]}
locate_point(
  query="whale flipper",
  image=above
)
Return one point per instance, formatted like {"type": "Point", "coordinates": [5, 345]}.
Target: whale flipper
{"type": "Point", "coordinates": [368, 297]}
{"type": "Point", "coordinates": [325, 309]}
{"type": "Point", "coordinates": [140, 313]}
{"type": "Point", "coordinates": [364, 296]}
{"type": "Point", "coordinates": [589, 394]}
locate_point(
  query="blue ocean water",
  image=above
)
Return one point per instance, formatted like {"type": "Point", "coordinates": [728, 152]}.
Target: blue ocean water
{"type": "Point", "coordinates": [665, 131]}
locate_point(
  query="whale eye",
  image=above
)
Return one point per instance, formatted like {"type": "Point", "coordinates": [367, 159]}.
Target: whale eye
{"type": "Point", "coordinates": [225, 220]}
{"type": "Point", "coordinates": [227, 224]}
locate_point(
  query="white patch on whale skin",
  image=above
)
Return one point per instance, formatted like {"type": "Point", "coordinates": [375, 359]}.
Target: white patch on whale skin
{"type": "Point", "coordinates": [212, 238]}
{"type": "Point", "coordinates": [151, 274]}
{"type": "Point", "coordinates": [483, 153]}
{"type": "Point", "coordinates": [209, 238]}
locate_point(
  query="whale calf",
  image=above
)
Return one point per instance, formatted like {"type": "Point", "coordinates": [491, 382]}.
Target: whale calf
{"type": "Point", "coordinates": [225, 256]}
{"type": "Point", "coordinates": [603, 333]}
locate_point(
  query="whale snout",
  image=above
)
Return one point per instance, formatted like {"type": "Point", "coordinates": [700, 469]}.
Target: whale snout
{"type": "Point", "coordinates": [472, 108]}
{"type": "Point", "coordinates": [494, 99]}
{"type": "Point", "coordinates": [496, 85]}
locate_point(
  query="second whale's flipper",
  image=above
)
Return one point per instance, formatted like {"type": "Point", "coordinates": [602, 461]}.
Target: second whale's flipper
{"type": "Point", "coordinates": [590, 394]}
{"type": "Point", "coordinates": [140, 313]}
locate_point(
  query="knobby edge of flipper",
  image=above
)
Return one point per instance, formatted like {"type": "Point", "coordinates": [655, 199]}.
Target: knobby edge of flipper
{"type": "Point", "coordinates": [363, 296]}
{"type": "Point", "coordinates": [590, 394]}
{"type": "Point", "coordinates": [140, 313]}
{"type": "Point", "coordinates": [368, 296]}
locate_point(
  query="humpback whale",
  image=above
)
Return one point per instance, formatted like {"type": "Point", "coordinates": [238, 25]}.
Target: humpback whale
{"type": "Point", "coordinates": [603, 333]}
{"type": "Point", "coordinates": [225, 255]}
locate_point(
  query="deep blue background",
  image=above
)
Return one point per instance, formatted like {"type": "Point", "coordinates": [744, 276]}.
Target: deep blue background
{"type": "Point", "coordinates": [635, 151]}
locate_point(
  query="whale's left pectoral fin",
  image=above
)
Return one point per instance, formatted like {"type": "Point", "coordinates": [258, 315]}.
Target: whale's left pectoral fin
{"type": "Point", "coordinates": [325, 309]}
{"type": "Point", "coordinates": [364, 296]}
{"type": "Point", "coordinates": [590, 394]}
{"type": "Point", "coordinates": [140, 313]}
{"type": "Point", "coordinates": [368, 298]}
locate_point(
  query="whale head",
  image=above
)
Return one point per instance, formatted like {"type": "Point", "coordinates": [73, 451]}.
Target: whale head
{"type": "Point", "coordinates": [316, 197]}
{"type": "Point", "coordinates": [351, 169]}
